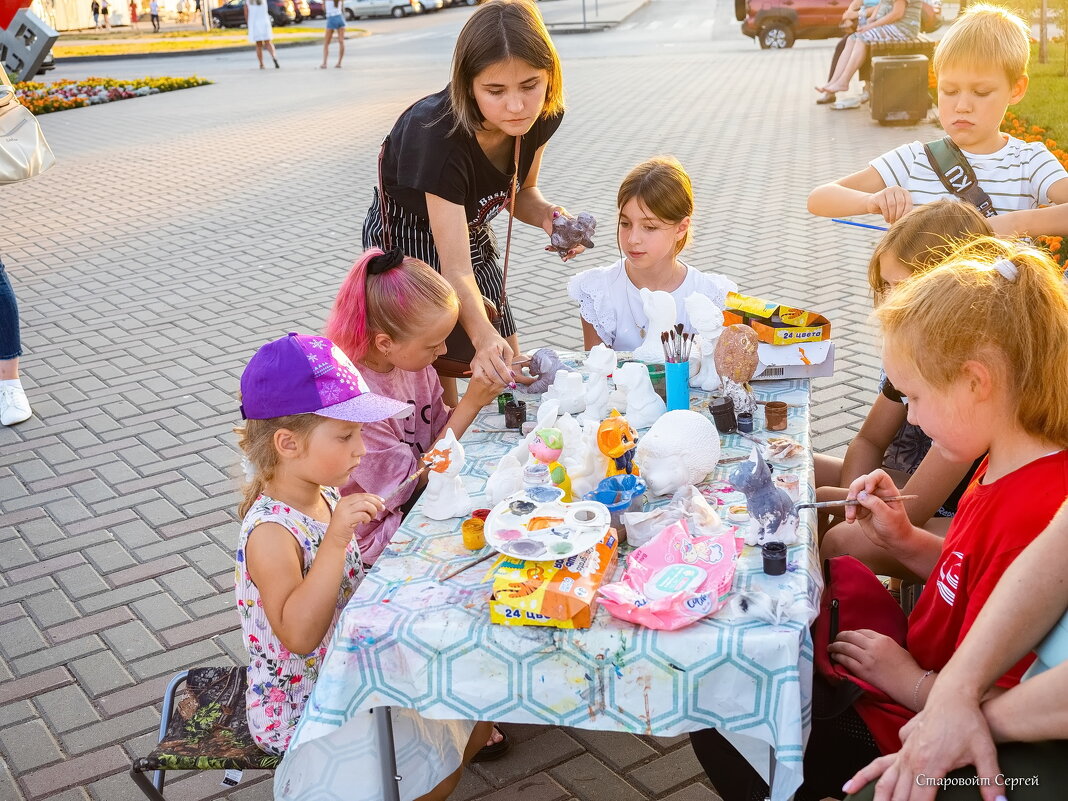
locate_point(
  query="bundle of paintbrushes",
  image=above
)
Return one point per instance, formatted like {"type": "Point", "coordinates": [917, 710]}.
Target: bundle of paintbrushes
{"type": "Point", "coordinates": [677, 345]}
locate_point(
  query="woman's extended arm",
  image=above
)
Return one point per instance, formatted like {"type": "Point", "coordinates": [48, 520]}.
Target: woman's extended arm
{"type": "Point", "coordinates": [448, 223]}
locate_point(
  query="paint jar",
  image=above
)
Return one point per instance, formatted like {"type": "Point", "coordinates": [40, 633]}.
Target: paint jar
{"type": "Point", "coordinates": [515, 414]}
{"type": "Point", "coordinates": [537, 475]}
{"type": "Point", "coordinates": [774, 554]}
{"type": "Point", "coordinates": [722, 410]}
{"type": "Point", "coordinates": [503, 400]}
{"type": "Point", "coordinates": [745, 422]}
{"type": "Point", "coordinates": [775, 416]}
{"type": "Point", "coordinates": [656, 375]}
{"type": "Point", "coordinates": [738, 513]}
{"type": "Point", "coordinates": [789, 482]}
{"type": "Point", "coordinates": [473, 534]}
{"type": "Point", "coordinates": [677, 378]}
{"type": "Point", "coordinates": [481, 514]}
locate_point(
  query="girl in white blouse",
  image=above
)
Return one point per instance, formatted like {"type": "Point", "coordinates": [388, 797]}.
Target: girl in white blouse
{"type": "Point", "coordinates": [655, 205]}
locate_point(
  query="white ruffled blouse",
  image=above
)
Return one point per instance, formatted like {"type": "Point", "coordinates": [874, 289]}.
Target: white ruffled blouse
{"type": "Point", "coordinates": [612, 305]}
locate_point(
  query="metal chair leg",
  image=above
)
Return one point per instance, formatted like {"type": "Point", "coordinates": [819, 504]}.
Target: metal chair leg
{"type": "Point", "coordinates": [154, 789]}
{"type": "Point", "coordinates": [387, 753]}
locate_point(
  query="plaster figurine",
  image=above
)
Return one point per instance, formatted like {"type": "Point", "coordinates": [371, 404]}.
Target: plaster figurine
{"type": "Point", "coordinates": [772, 516]}
{"type": "Point", "coordinates": [445, 495]}
{"type": "Point", "coordinates": [681, 448]}
{"type": "Point", "coordinates": [548, 413]}
{"type": "Point", "coordinates": [600, 363]}
{"type": "Point", "coordinates": [743, 398]}
{"type": "Point", "coordinates": [644, 406]}
{"type": "Point", "coordinates": [546, 447]}
{"type": "Point", "coordinates": [585, 464]}
{"type": "Point", "coordinates": [736, 353]}
{"type": "Point", "coordinates": [544, 364]}
{"type": "Point", "coordinates": [568, 390]}
{"type": "Point", "coordinates": [661, 313]}
{"type": "Point", "coordinates": [707, 318]}
{"type": "Point", "coordinates": [617, 440]}
{"type": "Point", "coordinates": [569, 232]}
{"type": "Point", "coordinates": [505, 480]}
{"type": "Point", "coordinates": [571, 430]}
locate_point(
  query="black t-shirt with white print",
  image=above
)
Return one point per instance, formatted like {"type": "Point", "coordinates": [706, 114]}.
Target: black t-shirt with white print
{"type": "Point", "coordinates": [422, 158]}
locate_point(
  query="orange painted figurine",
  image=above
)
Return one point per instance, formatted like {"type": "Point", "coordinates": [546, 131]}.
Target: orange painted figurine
{"type": "Point", "coordinates": [617, 440]}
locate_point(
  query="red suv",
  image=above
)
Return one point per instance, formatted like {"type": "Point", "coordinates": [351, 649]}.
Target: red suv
{"type": "Point", "coordinates": [777, 23]}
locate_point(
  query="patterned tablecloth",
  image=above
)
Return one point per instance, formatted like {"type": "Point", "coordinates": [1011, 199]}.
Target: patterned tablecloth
{"type": "Point", "coordinates": [428, 649]}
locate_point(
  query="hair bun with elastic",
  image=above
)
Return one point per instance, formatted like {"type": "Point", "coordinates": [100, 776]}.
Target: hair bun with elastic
{"type": "Point", "coordinates": [384, 262]}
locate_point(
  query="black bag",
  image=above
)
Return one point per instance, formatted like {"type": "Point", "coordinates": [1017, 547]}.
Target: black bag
{"type": "Point", "coordinates": [456, 363]}
{"type": "Point", "coordinates": [956, 174]}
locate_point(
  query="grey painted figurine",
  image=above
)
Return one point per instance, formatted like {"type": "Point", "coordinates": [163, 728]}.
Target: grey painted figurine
{"type": "Point", "coordinates": [771, 510]}
{"type": "Point", "coordinates": [544, 364]}
{"type": "Point", "coordinates": [568, 232]}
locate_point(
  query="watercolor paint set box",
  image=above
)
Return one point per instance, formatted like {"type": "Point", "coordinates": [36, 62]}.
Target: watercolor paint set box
{"type": "Point", "coordinates": [774, 323]}
{"type": "Point", "coordinates": [561, 593]}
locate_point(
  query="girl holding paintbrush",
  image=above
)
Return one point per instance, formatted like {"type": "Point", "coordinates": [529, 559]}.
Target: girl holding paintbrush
{"type": "Point", "coordinates": [391, 316]}
{"type": "Point", "coordinates": [655, 206]}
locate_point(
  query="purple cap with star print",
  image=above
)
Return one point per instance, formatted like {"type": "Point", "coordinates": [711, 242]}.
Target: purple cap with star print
{"type": "Point", "coordinates": [299, 374]}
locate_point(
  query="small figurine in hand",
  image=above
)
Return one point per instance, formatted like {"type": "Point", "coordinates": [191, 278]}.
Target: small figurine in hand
{"type": "Point", "coordinates": [546, 447]}
{"type": "Point", "coordinates": [570, 232]}
{"type": "Point", "coordinates": [543, 364]}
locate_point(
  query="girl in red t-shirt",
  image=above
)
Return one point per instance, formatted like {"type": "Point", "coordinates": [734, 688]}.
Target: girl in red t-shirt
{"type": "Point", "coordinates": [979, 347]}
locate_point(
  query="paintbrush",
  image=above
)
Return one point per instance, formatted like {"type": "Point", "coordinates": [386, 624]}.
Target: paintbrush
{"type": "Point", "coordinates": [829, 504]}
{"type": "Point", "coordinates": [516, 363]}
{"type": "Point", "coordinates": [664, 344]}
{"type": "Point", "coordinates": [406, 482]}
{"type": "Point", "coordinates": [461, 569]}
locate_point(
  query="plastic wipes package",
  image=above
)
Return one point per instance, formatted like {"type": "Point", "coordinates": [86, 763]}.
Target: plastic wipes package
{"type": "Point", "coordinates": [561, 594]}
{"type": "Point", "coordinates": [675, 579]}
{"type": "Point", "coordinates": [687, 503]}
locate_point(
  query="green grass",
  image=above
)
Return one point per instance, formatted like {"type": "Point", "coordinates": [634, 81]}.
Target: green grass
{"type": "Point", "coordinates": [1046, 101]}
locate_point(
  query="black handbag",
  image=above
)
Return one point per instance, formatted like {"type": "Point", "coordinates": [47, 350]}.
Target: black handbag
{"type": "Point", "coordinates": [456, 363]}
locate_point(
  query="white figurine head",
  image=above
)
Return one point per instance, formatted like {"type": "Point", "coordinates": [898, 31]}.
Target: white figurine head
{"type": "Point", "coordinates": [447, 457]}
{"type": "Point", "coordinates": [601, 360]}
{"type": "Point", "coordinates": [631, 376]}
{"type": "Point", "coordinates": [704, 314]}
{"type": "Point", "coordinates": [659, 309]}
{"type": "Point", "coordinates": [681, 448]}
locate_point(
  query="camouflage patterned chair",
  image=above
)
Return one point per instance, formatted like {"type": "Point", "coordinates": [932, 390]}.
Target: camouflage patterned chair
{"type": "Point", "coordinates": [205, 729]}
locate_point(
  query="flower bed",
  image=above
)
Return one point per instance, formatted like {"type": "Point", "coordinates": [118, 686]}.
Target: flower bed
{"type": "Point", "coordinates": [1021, 129]}
{"type": "Point", "coordinates": [42, 98]}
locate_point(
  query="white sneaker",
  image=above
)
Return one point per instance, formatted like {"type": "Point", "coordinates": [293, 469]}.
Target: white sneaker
{"type": "Point", "coordinates": [14, 405]}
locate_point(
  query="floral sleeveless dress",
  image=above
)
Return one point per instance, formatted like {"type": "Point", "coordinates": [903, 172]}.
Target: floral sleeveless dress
{"type": "Point", "coordinates": [279, 682]}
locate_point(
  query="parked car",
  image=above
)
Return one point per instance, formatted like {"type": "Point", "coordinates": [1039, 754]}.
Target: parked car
{"type": "Point", "coordinates": [355, 9]}
{"type": "Point", "coordinates": [301, 10]}
{"type": "Point", "coordinates": [426, 6]}
{"type": "Point", "coordinates": [231, 14]}
{"type": "Point", "coordinates": [777, 23]}
{"type": "Point", "coordinates": [317, 9]}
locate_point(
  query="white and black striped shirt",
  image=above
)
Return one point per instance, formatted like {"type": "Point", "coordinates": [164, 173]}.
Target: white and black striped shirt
{"type": "Point", "coordinates": [1017, 177]}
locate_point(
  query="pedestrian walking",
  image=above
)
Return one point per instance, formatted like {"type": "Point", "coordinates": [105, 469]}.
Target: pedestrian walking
{"type": "Point", "coordinates": [448, 165]}
{"type": "Point", "coordinates": [197, 10]}
{"type": "Point", "coordinates": [95, 6]}
{"type": "Point", "coordinates": [133, 13]}
{"type": "Point", "coordinates": [105, 13]}
{"type": "Point", "coordinates": [335, 23]}
{"type": "Point", "coordinates": [258, 21]}
{"type": "Point", "coordinates": [153, 9]}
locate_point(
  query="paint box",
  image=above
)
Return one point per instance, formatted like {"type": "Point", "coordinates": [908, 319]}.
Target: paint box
{"type": "Point", "coordinates": [561, 594]}
{"type": "Point", "coordinates": [776, 324]}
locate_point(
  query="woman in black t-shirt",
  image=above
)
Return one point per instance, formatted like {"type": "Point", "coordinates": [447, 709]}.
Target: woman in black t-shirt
{"type": "Point", "coordinates": [448, 163]}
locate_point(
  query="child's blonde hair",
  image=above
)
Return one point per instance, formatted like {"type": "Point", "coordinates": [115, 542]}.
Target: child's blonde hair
{"type": "Point", "coordinates": [256, 440]}
{"type": "Point", "coordinates": [386, 293]}
{"type": "Point", "coordinates": [663, 187]}
{"type": "Point", "coordinates": [967, 309]}
{"type": "Point", "coordinates": [986, 34]}
{"type": "Point", "coordinates": [924, 237]}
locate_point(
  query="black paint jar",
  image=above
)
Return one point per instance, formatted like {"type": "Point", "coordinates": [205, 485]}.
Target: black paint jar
{"type": "Point", "coordinates": [745, 422]}
{"type": "Point", "coordinates": [722, 410]}
{"type": "Point", "coordinates": [515, 414]}
{"type": "Point", "coordinates": [774, 554]}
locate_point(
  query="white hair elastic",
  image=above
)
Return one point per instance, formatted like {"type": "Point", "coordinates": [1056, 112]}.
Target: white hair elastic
{"type": "Point", "coordinates": [248, 468]}
{"type": "Point", "coordinates": [1007, 268]}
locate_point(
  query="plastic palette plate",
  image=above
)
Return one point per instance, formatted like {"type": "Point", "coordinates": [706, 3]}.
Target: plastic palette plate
{"type": "Point", "coordinates": [535, 524]}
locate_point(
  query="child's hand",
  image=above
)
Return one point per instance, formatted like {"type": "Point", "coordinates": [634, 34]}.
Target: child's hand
{"type": "Point", "coordinates": [482, 391]}
{"type": "Point", "coordinates": [885, 524]}
{"type": "Point", "coordinates": [351, 511]}
{"type": "Point", "coordinates": [873, 657]}
{"type": "Point", "coordinates": [893, 203]}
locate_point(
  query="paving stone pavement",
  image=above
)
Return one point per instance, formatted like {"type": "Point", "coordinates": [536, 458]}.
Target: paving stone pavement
{"type": "Point", "coordinates": [180, 231]}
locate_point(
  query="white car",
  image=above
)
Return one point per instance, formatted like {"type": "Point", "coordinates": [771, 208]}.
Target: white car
{"type": "Point", "coordinates": [354, 9]}
{"type": "Point", "coordinates": [431, 5]}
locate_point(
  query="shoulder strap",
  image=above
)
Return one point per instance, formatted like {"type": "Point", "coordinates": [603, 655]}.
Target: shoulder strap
{"type": "Point", "coordinates": [957, 175]}
{"type": "Point", "coordinates": [383, 205]}
{"type": "Point", "coordinates": [511, 217]}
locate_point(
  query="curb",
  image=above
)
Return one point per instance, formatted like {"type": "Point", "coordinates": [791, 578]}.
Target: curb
{"type": "Point", "coordinates": [595, 27]}
{"type": "Point", "coordinates": [213, 51]}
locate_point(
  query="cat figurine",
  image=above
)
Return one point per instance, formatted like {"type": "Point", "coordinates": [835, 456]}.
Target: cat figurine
{"type": "Point", "coordinates": [772, 516]}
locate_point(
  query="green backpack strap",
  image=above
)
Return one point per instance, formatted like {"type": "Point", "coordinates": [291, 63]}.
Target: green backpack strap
{"type": "Point", "coordinates": [957, 175]}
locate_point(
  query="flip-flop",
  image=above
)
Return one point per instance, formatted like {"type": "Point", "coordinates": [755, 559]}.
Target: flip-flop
{"type": "Point", "coordinates": [849, 102]}
{"type": "Point", "coordinates": [488, 753]}
{"type": "Point", "coordinates": [825, 98]}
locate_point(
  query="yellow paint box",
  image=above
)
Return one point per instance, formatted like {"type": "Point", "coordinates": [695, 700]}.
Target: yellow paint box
{"type": "Point", "coordinates": [561, 593]}
{"type": "Point", "coordinates": [774, 323]}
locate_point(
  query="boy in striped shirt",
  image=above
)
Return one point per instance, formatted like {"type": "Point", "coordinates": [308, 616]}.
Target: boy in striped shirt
{"type": "Point", "coordinates": [981, 66]}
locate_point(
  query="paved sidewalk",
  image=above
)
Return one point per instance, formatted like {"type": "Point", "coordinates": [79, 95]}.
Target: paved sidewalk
{"type": "Point", "coordinates": [180, 231]}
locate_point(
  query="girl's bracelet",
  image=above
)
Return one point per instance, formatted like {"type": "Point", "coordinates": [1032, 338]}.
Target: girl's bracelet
{"type": "Point", "coordinates": [916, 689]}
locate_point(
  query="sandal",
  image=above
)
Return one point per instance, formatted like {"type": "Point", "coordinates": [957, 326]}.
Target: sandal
{"type": "Point", "coordinates": [488, 753]}
{"type": "Point", "coordinates": [825, 98]}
